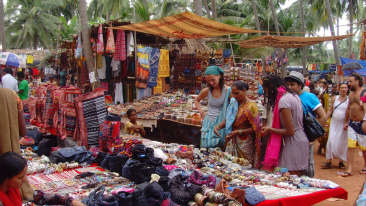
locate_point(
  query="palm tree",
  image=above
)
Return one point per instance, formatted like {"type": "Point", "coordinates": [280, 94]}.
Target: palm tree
{"type": "Point", "coordinates": [198, 7]}
{"type": "Point", "coordinates": [214, 11]}
{"type": "Point", "coordinates": [352, 7]}
{"type": "Point", "coordinates": [85, 35]}
{"type": "Point", "coordinates": [31, 23]}
{"type": "Point", "coordinates": [331, 26]}
{"type": "Point", "coordinates": [274, 16]}
{"type": "Point", "coordinates": [303, 56]}
{"type": "Point", "coordinates": [205, 3]}
{"type": "Point", "coordinates": [255, 12]}
{"type": "Point", "coordinates": [2, 27]}
{"type": "Point", "coordinates": [110, 9]}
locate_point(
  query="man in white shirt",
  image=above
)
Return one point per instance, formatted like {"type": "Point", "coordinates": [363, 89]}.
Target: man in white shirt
{"type": "Point", "coordinates": [8, 80]}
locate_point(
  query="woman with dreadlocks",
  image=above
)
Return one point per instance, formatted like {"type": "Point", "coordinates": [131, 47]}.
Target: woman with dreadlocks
{"type": "Point", "coordinates": [287, 125]}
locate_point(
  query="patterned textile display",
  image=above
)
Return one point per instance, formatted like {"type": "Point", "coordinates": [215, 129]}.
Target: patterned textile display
{"type": "Point", "coordinates": [67, 112]}
{"type": "Point", "coordinates": [91, 110]}
{"type": "Point", "coordinates": [159, 88]}
{"type": "Point", "coordinates": [120, 53]}
{"type": "Point", "coordinates": [50, 110]}
{"type": "Point", "coordinates": [164, 69]}
{"type": "Point", "coordinates": [109, 134]}
{"type": "Point", "coordinates": [154, 67]}
{"type": "Point", "coordinates": [143, 66]}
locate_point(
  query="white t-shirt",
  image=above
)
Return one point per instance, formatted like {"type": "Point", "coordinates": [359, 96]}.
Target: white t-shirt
{"type": "Point", "coordinates": [9, 82]}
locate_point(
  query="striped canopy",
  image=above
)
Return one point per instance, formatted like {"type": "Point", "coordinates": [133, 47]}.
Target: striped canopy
{"type": "Point", "coordinates": [185, 26]}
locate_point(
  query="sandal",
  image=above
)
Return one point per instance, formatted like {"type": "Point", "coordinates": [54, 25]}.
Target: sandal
{"type": "Point", "coordinates": [346, 174]}
{"type": "Point", "coordinates": [327, 165]}
{"type": "Point", "coordinates": [363, 171]}
{"type": "Point", "coordinates": [341, 165]}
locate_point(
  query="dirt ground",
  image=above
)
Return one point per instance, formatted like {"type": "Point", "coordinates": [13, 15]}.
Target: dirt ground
{"type": "Point", "coordinates": [351, 184]}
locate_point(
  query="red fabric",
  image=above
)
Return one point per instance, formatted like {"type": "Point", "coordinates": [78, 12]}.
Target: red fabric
{"type": "Point", "coordinates": [306, 200]}
{"type": "Point", "coordinates": [120, 53]}
{"type": "Point", "coordinates": [100, 42]}
{"type": "Point", "coordinates": [13, 197]}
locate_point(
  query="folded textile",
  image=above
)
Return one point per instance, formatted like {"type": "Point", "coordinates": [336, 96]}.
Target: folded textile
{"type": "Point", "coordinates": [70, 154]}
{"type": "Point", "coordinates": [253, 196]}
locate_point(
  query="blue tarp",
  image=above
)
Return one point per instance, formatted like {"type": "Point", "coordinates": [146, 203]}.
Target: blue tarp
{"type": "Point", "coordinates": [361, 72]}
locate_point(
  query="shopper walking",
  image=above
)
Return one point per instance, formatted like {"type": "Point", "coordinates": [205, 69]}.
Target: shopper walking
{"type": "Point", "coordinates": [337, 139]}
{"type": "Point", "coordinates": [295, 149]}
{"type": "Point", "coordinates": [218, 96]}
{"type": "Point", "coordinates": [310, 103]}
{"type": "Point", "coordinates": [353, 122]}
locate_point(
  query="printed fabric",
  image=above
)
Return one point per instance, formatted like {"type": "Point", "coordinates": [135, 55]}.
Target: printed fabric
{"type": "Point", "coordinates": [143, 66]}
{"type": "Point", "coordinates": [164, 69]}
{"type": "Point", "coordinates": [154, 67]}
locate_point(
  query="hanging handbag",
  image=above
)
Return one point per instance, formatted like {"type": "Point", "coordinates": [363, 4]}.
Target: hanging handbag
{"type": "Point", "coordinates": [312, 127]}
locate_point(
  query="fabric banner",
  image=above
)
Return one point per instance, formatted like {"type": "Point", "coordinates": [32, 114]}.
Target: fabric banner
{"type": "Point", "coordinates": [361, 72]}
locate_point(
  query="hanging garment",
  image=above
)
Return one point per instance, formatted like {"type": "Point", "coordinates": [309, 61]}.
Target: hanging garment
{"type": "Point", "coordinates": [108, 61]}
{"type": "Point", "coordinates": [118, 93]}
{"type": "Point", "coordinates": [124, 69]}
{"type": "Point", "coordinates": [164, 69]}
{"type": "Point", "coordinates": [102, 69]}
{"type": "Point", "coordinates": [110, 48]}
{"type": "Point", "coordinates": [30, 59]}
{"type": "Point", "coordinates": [120, 53]}
{"type": "Point", "coordinates": [130, 43]}
{"type": "Point", "coordinates": [100, 41]}
{"type": "Point", "coordinates": [314, 67]}
{"type": "Point", "coordinates": [310, 66]}
{"type": "Point", "coordinates": [154, 67]}
{"type": "Point", "coordinates": [159, 88]}
{"type": "Point", "coordinates": [116, 65]}
{"type": "Point", "coordinates": [143, 67]}
{"type": "Point", "coordinates": [99, 60]}
{"type": "Point", "coordinates": [79, 48]}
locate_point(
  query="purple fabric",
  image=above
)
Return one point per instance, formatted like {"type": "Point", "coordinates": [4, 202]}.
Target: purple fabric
{"type": "Point", "coordinates": [199, 179]}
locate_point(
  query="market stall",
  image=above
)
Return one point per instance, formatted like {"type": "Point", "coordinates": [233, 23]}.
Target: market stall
{"type": "Point", "coordinates": [201, 176]}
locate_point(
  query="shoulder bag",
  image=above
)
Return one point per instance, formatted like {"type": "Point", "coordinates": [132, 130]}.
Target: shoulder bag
{"type": "Point", "coordinates": [312, 127]}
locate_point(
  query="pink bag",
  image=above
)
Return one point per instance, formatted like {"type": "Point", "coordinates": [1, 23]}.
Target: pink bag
{"type": "Point", "coordinates": [100, 42]}
{"type": "Point", "coordinates": [111, 48]}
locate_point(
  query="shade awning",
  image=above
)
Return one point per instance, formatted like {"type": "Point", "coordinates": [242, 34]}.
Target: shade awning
{"type": "Point", "coordinates": [185, 26]}
{"type": "Point", "coordinates": [287, 41]}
